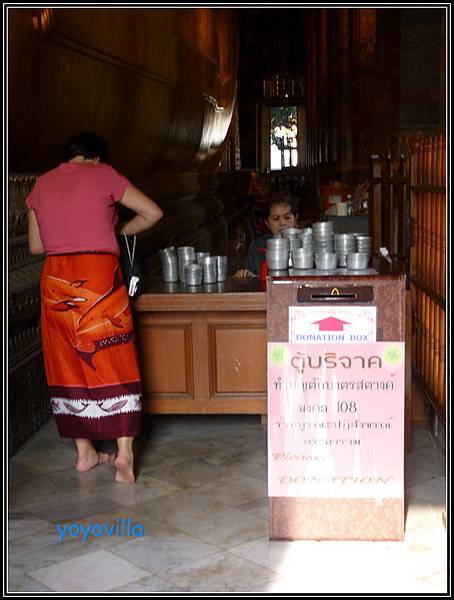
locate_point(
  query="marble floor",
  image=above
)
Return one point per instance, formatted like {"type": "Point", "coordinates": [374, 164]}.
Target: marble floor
{"type": "Point", "coordinates": [200, 502]}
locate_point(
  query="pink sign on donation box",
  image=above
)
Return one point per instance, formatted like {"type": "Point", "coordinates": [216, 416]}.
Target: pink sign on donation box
{"type": "Point", "coordinates": [336, 420]}
{"type": "Point", "coordinates": [336, 324]}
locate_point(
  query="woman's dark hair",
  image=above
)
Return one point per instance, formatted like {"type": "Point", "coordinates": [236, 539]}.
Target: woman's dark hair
{"type": "Point", "coordinates": [86, 144]}
{"type": "Point", "coordinates": [283, 198]}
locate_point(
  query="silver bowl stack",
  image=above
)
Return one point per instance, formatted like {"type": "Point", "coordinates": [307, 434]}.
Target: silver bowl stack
{"type": "Point", "coordinates": [210, 269]}
{"type": "Point", "coordinates": [295, 243]}
{"type": "Point", "coordinates": [193, 268]}
{"type": "Point", "coordinates": [293, 234]}
{"type": "Point", "coordinates": [221, 268]}
{"type": "Point", "coordinates": [307, 239]}
{"type": "Point", "coordinates": [344, 243]}
{"type": "Point", "coordinates": [169, 264]}
{"type": "Point", "coordinates": [277, 253]}
{"type": "Point", "coordinates": [359, 260]}
{"type": "Point", "coordinates": [186, 256]}
{"type": "Point", "coordinates": [323, 234]}
{"type": "Point", "coordinates": [193, 274]}
{"type": "Point", "coordinates": [303, 258]}
{"type": "Point", "coordinates": [364, 244]}
{"type": "Point", "coordinates": [325, 256]}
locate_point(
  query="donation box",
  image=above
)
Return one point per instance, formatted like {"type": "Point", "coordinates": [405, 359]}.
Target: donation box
{"type": "Point", "coordinates": [336, 416]}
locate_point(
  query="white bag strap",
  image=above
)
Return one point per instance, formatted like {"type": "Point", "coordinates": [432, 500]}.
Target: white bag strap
{"type": "Point", "coordinates": [131, 258]}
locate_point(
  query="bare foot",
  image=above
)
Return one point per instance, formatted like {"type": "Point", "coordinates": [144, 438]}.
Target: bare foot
{"type": "Point", "coordinates": [93, 461]}
{"type": "Point", "coordinates": [125, 471]}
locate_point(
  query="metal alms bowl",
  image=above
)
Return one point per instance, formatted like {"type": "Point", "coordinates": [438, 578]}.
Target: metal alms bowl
{"type": "Point", "coordinates": [357, 261]}
{"type": "Point", "coordinates": [326, 261]}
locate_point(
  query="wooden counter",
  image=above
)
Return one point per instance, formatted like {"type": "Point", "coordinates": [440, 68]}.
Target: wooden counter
{"type": "Point", "coordinates": [203, 349]}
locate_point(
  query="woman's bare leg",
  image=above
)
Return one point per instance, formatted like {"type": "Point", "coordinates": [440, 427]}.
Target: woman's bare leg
{"type": "Point", "coordinates": [88, 457]}
{"type": "Point", "coordinates": [124, 460]}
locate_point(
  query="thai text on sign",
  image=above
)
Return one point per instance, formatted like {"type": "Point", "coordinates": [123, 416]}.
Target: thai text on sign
{"type": "Point", "coordinates": [336, 420]}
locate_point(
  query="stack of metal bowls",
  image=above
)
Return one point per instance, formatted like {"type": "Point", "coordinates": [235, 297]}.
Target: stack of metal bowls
{"type": "Point", "coordinates": [277, 253]}
{"type": "Point", "coordinates": [323, 234]}
{"type": "Point", "coordinates": [364, 244]}
{"type": "Point", "coordinates": [307, 239]}
{"type": "Point", "coordinates": [295, 244]}
{"type": "Point", "coordinates": [210, 269]}
{"type": "Point", "coordinates": [293, 236]}
{"type": "Point", "coordinates": [169, 264]}
{"type": "Point", "coordinates": [193, 274]}
{"type": "Point", "coordinates": [221, 268]}
{"type": "Point", "coordinates": [186, 256]}
{"type": "Point", "coordinates": [303, 258]}
{"type": "Point", "coordinates": [358, 259]}
{"type": "Point", "coordinates": [344, 243]}
{"type": "Point", "coordinates": [325, 256]}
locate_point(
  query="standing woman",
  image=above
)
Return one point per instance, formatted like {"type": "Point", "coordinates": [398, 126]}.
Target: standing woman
{"type": "Point", "coordinates": [89, 350]}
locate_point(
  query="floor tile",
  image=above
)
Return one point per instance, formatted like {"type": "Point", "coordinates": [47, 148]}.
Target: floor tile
{"type": "Point", "coordinates": [240, 489]}
{"type": "Point", "coordinates": [164, 550]}
{"type": "Point", "coordinates": [187, 506]}
{"type": "Point", "coordinates": [37, 490]}
{"type": "Point", "coordinates": [21, 523]}
{"type": "Point", "coordinates": [18, 581]}
{"type": "Point", "coordinates": [47, 457]}
{"type": "Point", "coordinates": [73, 505]}
{"type": "Point", "coordinates": [149, 585]}
{"type": "Point", "coordinates": [146, 489]}
{"type": "Point", "coordinates": [221, 572]}
{"type": "Point", "coordinates": [43, 549]}
{"type": "Point", "coordinates": [95, 572]}
{"type": "Point", "coordinates": [226, 528]}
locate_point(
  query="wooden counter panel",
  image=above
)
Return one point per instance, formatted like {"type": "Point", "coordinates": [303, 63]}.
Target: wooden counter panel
{"type": "Point", "coordinates": [165, 350]}
{"type": "Point", "coordinates": [238, 355]}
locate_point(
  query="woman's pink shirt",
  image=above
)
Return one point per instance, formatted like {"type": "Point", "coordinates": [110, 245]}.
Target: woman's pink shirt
{"type": "Point", "coordinates": [75, 206]}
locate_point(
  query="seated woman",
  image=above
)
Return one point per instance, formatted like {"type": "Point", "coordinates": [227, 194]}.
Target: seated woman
{"type": "Point", "coordinates": [281, 214]}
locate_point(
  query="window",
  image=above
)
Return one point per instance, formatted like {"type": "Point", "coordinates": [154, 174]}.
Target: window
{"type": "Point", "coordinates": [283, 137]}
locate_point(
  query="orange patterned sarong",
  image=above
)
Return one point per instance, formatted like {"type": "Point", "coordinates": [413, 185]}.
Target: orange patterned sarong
{"type": "Point", "coordinates": [89, 349]}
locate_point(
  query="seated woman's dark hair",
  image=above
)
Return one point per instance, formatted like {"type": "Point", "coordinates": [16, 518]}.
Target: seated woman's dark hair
{"type": "Point", "coordinates": [283, 198]}
{"type": "Point", "coordinates": [86, 144]}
